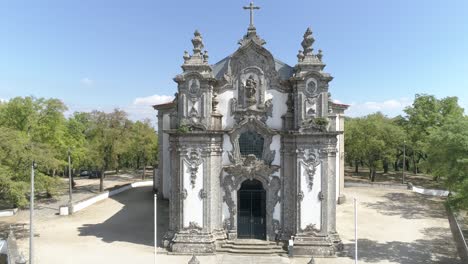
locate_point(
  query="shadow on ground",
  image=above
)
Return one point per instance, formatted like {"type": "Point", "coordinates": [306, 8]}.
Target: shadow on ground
{"type": "Point", "coordinates": [410, 206]}
{"type": "Point", "coordinates": [134, 223]}
{"type": "Point", "coordinates": [432, 249]}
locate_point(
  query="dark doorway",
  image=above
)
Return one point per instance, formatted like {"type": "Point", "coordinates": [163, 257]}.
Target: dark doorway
{"type": "Point", "coordinates": [251, 222]}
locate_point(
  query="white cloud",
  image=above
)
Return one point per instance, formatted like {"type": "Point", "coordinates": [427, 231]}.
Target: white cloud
{"type": "Point", "coordinates": [153, 100]}
{"type": "Point", "coordinates": [87, 81]}
{"type": "Point", "coordinates": [391, 107]}
{"type": "Point", "coordinates": [3, 100]}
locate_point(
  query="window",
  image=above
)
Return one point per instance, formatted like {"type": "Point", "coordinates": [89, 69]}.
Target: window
{"type": "Point", "coordinates": [251, 143]}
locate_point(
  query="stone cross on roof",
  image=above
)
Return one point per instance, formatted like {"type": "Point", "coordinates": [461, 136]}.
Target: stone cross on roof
{"type": "Point", "coordinates": [252, 7]}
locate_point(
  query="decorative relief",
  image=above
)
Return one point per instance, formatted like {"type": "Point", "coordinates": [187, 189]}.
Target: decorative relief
{"type": "Point", "coordinates": [310, 229]}
{"type": "Point", "coordinates": [193, 228]}
{"type": "Point", "coordinates": [300, 196]}
{"type": "Point", "coordinates": [321, 197]}
{"type": "Point", "coordinates": [194, 160]}
{"type": "Point", "coordinates": [202, 194]}
{"type": "Point", "coordinates": [250, 89]}
{"type": "Point", "coordinates": [184, 194]}
{"type": "Point", "coordinates": [311, 159]}
{"type": "Point", "coordinates": [251, 167]}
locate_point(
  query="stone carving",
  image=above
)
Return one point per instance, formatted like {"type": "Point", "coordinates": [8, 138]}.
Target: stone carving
{"type": "Point", "coordinates": [194, 87]}
{"type": "Point", "coordinates": [194, 160]}
{"type": "Point", "coordinates": [202, 194]}
{"type": "Point", "coordinates": [310, 229]}
{"type": "Point", "coordinates": [250, 88]}
{"type": "Point", "coordinates": [194, 260]}
{"type": "Point", "coordinates": [194, 225]}
{"type": "Point", "coordinates": [228, 186]}
{"type": "Point", "coordinates": [251, 167]}
{"type": "Point", "coordinates": [300, 196]}
{"type": "Point", "coordinates": [251, 124]}
{"type": "Point", "coordinates": [321, 197]}
{"type": "Point", "coordinates": [184, 194]}
{"type": "Point", "coordinates": [311, 160]}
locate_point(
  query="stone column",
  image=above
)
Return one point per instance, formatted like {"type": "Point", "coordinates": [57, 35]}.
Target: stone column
{"type": "Point", "coordinates": [288, 188]}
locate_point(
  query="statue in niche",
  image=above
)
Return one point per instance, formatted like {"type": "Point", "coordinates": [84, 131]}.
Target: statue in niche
{"type": "Point", "coordinates": [194, 87]}
{"type": "Point", "coordinates": [250, 90]}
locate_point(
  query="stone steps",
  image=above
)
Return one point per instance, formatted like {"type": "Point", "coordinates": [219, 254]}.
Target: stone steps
{"type": "Point", "coordinates": [251, 247]}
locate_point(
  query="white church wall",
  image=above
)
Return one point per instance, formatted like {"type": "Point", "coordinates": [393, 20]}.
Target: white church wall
{"type": "Point", "coordinates": [311, 205]}
{"type": "Point", "coordinates": [279, 108]}
{"type": "Point", "coordinates": [193, 204]}
{"type": "Point", "coordinates": [225, 109]}
{"type": "Point", "coordinates": [166, 174]}
{"type": "Point", "coordinates": [227, 146]}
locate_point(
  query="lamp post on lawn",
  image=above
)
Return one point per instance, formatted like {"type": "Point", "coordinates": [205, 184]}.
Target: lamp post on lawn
{"type": "Point", "coordinates": [31, 216]}
{"type": "Point", "coordinates": [404, 162]}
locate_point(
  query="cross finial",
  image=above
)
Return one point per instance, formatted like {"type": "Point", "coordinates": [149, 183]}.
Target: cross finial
{"type": "Point", "coordinates": [251, 7]}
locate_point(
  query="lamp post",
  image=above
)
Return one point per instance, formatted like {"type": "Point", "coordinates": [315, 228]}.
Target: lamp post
{"type": "Point", "coordinates": [404, 162]}
{"type": "Point", "coordinates": [69, 181]}
{"type": "Point", "coordinates": [31, 216]}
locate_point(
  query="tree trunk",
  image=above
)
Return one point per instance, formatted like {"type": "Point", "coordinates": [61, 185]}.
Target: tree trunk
{"type": "Point", "coordinates": [356, 166]}
{"type": "Point", "coordinates": [385, 165]}
{"type": "Point", "coordinates": [101, 181]}
{"type": "Point", "coordinates": [372, 173]}
{"type": "Point", "coordinates": [415, 168]}
{"type": "Point", "coordinates": [144, 172]}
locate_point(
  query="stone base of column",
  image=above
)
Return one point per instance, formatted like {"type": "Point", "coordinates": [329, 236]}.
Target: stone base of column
{"type": "Point", "coordinates": [341, 199]}
{"type": "Point", "coordinates": [193, 242]}
{"type": "Point", "coordinates": [306, 245]}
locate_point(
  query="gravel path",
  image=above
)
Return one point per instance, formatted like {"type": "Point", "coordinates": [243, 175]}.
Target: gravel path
{"type": "Point", "coordinates": [395, 226]}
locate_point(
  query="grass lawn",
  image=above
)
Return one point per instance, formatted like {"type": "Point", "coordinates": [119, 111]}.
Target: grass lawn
{"type": "Point", "coordinates": [421, 180]}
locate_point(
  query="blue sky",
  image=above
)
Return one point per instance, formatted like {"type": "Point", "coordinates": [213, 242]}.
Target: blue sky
{"type": "Point", "coordinates": [107, 54]}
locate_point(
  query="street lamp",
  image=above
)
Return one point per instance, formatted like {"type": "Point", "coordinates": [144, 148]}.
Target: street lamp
{"type": "Point", "coordinates": [404, 162]}
{"type": "Point", "coordinates": [69, 180]}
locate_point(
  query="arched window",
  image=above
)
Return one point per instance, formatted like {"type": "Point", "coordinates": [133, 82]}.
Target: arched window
{"type": "Point", "coordinates": [251, 142]}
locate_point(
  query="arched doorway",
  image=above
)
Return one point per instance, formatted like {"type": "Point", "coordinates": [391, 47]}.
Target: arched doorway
{"type": "Point", "coordinates": [251, 208]}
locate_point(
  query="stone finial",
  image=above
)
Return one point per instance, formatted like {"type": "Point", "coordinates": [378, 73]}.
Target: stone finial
{"type": "Point", "coordinates": [194, 260]}
{"type": "Point", "coordinates": [197, 42]}
{"type": "Point", "coordinates": [186, 56]}
{"type": "Point", "coordinates": [320, 54]}
{"type": "Point", "coordinates": [300, 56]}
{"type": "Point", "coordinates": [307, 42]}
{"type": "Point", "coordinates": [205, 56]}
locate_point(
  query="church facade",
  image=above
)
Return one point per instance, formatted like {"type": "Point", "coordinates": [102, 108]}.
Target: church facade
{"type": "Point", "coordinates": [251, 148]}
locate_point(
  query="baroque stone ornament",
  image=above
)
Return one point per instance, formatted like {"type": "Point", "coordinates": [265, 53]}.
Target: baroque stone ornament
{"type": "Point", "coordinates": [194, 260]}
{"type": "Point", "coordinates": [310, 229]}
{"type": "Point", "coordinates": [311, 159]}
{"type": "Point", "coordinates": [321, 197]}
{"type": "Point", "coordinates": [184, 194]}
{"type": "Point", "coordinates": [202, 194]}
{"type": "Point", "coordinates": [300, 196]}
{"type": "Point", "coordinates": [251, 167]}
{"type": "Point", "coordinates": [250, 88]}
{"type": "Point", "coordinates": [194, 160]}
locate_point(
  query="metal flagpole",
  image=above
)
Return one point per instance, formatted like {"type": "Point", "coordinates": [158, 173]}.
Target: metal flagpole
{"type": "Point", "coordinates": [155, 226]}
{"type": "Point", "coordinates": [31, 215]}
{"type": "Point", "coordinates": [404, 162]}
{"type": "Point", "coordinates": [355, 233]}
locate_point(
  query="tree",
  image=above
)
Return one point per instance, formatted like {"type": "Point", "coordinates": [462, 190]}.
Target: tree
{"type": "Point", "coordinates": [372, 139]}
{"type": "Point", "coordinates": [425, 113]}
{"type": "Point", "coordinates": [448, 157]}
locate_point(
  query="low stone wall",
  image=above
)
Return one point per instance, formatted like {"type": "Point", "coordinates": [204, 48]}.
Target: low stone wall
{"type": "Point", "coordinates": [64, 210]}
{"type": "Point", "coordinates": [457, 232]}
{"type": "Point", "coordinates": [376, 184]}
{"type": "Point", "coordinates": [409, 186]}
{"type": "Point", "coordinates": [8, 212]}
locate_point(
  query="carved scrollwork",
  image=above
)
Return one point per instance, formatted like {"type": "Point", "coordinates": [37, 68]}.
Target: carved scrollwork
{"type": "Point", "coordinates": [300, 196]}
{"type": "Point", "coordinates": [202, 194]}
{"type": "Point", "coordinates": [311, 160]}
{"type": "Point", "coordinates": [194, 160]}
{"type": "Point", "coordinates": [251, 167]}
{"type": "Point", "coordinates": [184, 194]}
{"type": "Point", "coordinates": [310, 229]}
{"type": "Point", "coordinates": [321, 197]}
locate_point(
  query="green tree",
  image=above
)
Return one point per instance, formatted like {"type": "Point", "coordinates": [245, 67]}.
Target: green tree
{"type": "Point", "coordinates": [448, 157]}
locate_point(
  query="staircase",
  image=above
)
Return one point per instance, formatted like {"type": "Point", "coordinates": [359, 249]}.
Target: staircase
{"type": "Point", "coordinates": [251, 247]}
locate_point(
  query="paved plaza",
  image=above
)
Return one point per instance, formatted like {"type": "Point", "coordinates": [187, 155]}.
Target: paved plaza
{"type": "Point", "coordinates": [395, 226]}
